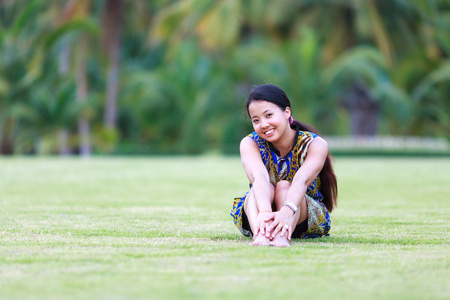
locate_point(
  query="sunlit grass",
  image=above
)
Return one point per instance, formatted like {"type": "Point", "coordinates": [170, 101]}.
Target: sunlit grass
{"type": "Point", "coordinates": [159, 228]}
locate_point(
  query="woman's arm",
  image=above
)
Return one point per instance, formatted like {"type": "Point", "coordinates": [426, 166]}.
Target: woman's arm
{"type": "Point", "coordinates": [257, 174]}
{"type": "Point", "coordinates": [307, 173]}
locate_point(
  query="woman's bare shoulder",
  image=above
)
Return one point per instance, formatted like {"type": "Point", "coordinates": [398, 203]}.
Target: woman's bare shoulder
{"type": "Point", "coordinates": [248, 144]}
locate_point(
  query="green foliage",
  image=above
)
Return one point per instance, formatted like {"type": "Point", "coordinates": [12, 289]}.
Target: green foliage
{"type": "Point", "coordinates": [186, 68]}
{"type": "Point", "coordinates": [87, 26]}
{"type": "Point", "coordinates": [31, 8]}
{"type": "Point", "coordinates": [50, 110]}
{"type": "Point", "coordinates": [178, 101]}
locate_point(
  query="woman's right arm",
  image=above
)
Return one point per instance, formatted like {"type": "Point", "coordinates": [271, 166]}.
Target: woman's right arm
{"type": "Point", "coordinates": [256, 173]}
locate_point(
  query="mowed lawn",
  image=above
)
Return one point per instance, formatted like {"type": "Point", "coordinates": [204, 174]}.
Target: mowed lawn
{"type": "Point", "coordinates": [159, 228]}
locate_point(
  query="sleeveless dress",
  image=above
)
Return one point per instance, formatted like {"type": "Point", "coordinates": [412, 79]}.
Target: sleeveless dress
{"type": "Point", "coordinates": [284, 168]}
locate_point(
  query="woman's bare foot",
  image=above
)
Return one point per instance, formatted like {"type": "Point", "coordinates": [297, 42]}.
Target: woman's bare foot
{"type": "Point", "coordinates": [280, 241]}
{"type": "Point", "coordinates": [260, 240]}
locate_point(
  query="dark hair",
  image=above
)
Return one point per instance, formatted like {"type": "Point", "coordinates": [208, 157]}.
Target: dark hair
{"type": "Point", "coordinates": [275, 95]}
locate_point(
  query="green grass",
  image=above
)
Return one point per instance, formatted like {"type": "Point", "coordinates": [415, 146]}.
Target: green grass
{"type": "Point", "coordinates": [159, 228]}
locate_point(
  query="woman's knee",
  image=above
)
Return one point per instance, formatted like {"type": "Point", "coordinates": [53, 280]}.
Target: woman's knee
{"type": "Point", "coordinates": [280, 192]}
{"type": "Point", "coordinates": [282, 186]}
{"type": "Point", "coordinates": [250, 198]}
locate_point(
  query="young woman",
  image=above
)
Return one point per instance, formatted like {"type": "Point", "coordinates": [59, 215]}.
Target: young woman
{"type": "Point", "coordinates": [292, 184]}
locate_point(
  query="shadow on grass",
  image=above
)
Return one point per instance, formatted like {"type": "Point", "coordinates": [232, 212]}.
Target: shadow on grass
{"type": "Point", "coordinates": [352, 239]}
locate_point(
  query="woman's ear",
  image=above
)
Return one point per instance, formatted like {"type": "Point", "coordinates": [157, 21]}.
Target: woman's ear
{"type": "Point", "coordinates": [287, 112]}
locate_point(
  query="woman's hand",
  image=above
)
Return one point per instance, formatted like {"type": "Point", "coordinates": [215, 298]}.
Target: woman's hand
{"type": "Point", "coordinates": [281, 222]}
{"type": "Point", "coordinates": [263, 222]}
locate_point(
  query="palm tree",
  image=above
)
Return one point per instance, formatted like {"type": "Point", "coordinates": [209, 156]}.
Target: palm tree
{"type": "Point", "coordinates": [112, 25]}
{"type": "Point", "coordinates": [397, 30]}
{"type": "Point", "coordinates": [51, 112]}
{"type": "Point", "coordinates": [430, 98]}
{"type": "Point", "coordinates": [177, 104]}
{"type": "Point", "coordinates": [19, 64]}
{"type": "Point", "coordinates": [75, 11]}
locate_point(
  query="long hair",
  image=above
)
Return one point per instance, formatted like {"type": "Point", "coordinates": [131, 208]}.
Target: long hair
{"type": "Point", "coordinates": [277, 96]}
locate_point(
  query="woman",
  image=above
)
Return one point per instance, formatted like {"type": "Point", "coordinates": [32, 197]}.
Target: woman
{"type": "Point", "coordinates": [292, 184]}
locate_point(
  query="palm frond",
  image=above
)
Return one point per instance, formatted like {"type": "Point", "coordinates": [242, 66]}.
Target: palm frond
{"type": "Point", "coordinates": [360, 63]}
{"type": "Point", "coordinates": [441, 74]}
{"type": "Point", "coordinates": [87, 26]}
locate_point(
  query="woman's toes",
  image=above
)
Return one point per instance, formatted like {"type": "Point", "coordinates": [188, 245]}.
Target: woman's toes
{"type": "Point", "coordinates": [280, 241]}
{"type": "Point", "coordinates": [260, 240]}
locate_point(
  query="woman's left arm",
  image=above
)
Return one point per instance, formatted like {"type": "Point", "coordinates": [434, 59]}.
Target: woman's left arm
{"type": "Point", "coordinates": [307, 173]}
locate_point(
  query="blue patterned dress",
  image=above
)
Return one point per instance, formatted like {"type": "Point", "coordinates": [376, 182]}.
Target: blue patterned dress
{"type": "Point", "coordinates": [284, 168]}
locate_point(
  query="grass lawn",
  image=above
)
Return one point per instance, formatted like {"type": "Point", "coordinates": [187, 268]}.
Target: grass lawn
{"type": "Point", "coordinates": [159, 228]}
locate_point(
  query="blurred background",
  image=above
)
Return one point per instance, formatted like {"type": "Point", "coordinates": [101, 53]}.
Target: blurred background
{"type": "Point", "coordinates": [84, 77]}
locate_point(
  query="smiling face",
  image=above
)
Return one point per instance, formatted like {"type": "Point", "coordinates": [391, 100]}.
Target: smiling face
{"type": "Point", "coordinates": [269, 120]}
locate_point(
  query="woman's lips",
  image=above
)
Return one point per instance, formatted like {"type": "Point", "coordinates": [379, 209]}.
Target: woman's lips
{"type": "Point", "coordinates": [269, 132]}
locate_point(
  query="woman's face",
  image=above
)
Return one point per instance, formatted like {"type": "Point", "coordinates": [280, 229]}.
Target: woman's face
{"type": "Point", "coordinates": [269, 120]}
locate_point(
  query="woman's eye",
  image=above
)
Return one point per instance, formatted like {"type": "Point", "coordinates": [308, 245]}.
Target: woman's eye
{"type": "Point", "coordinates": [255, 121]}
{"type": "Point", "coordinates": [268, 115]}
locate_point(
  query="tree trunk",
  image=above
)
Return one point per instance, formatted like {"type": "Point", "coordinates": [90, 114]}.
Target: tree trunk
{"type": "Point", "coordinates": [111, 39]}
{"type": "Point", "coordinates": [364, 111]}
{"type": "Point", "coordinates": [82, 88]}
{"type": "Point", "coordinates": [78, 9]}
{"type": "Point", "coordinates": [6, 143]}
{"type": "Point", "coordinates": [63, 135]}
{"type": "Point", "coordinates": [63, 139]}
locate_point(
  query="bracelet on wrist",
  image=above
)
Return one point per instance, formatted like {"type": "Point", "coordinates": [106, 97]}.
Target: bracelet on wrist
{"type": "Point", "coordinates": [291, 206]}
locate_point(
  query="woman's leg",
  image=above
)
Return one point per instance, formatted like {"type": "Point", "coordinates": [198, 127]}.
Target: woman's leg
{"type": "Point", "coordinates": [301, 215]}
{"type": "Point", "coordinates": [251, 210]}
